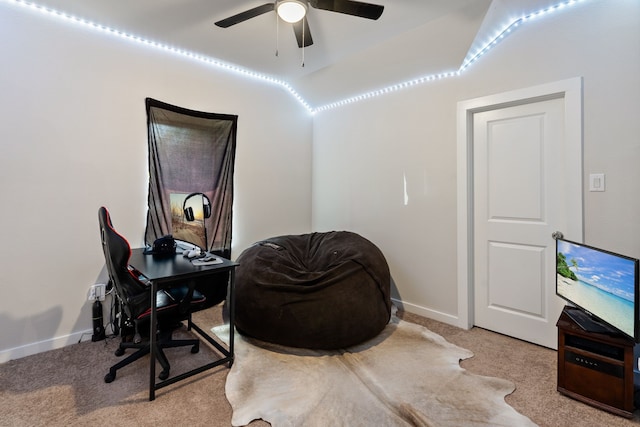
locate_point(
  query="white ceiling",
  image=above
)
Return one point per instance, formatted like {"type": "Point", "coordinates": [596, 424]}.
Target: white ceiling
{"type": "Point", "coordinates": [350, 55]}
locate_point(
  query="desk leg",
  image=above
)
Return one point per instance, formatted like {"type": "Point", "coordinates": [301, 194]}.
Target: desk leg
{"type": "Point", "coordinates": [152, 342]}
{"type": "Point", "coordinates": [232, 311]}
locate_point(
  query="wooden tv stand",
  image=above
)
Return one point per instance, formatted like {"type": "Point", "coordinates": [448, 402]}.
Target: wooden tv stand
{"type": "Point", "coordinates": [595, 368]}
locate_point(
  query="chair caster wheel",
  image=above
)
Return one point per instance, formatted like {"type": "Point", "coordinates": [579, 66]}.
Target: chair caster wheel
{"type": "Point", "coordinates": [109, 377]}
{"type": "Point", "coordinates": [195, 349]}
{"type": "Point", "coordinates": [164, 375]}
{"type": "Point", "coordinates": [119, 352]}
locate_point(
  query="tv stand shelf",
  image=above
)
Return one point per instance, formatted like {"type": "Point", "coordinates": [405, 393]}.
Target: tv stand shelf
{"type": "Point", "coordinates": [595, 368]}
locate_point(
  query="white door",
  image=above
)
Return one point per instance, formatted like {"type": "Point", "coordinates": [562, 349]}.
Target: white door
{"type": "Point", "coordinates": [519, 198]}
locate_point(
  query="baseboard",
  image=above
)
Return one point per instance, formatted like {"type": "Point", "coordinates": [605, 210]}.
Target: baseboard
{"type": "Point", "coordinates": [59, 342]}
{"type": "Point", "coordinates": [426, 312]}
{"type": "Point", "coordinates": [42, 346]}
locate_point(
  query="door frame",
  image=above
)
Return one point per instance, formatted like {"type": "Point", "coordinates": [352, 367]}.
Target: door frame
{"type": "Point", "coordinates": [571, 91]}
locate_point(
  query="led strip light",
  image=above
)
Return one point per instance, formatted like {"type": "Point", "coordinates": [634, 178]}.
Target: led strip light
{"type": "Point", "coordinates": [259, 76]}
{"type": "Point", "coordinates": [468, 62]}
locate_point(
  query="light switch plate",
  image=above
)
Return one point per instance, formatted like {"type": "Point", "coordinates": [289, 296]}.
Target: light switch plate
{"type": "Point", "coordinates": [596, 182]}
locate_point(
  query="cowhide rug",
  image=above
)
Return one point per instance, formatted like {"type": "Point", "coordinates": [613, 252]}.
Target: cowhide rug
{"type": "Point", "coordinates": [406, 376]}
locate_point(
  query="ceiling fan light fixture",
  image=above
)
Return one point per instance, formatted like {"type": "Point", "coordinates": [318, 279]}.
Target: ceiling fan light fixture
{"type": "Point", "coordinates": [291, 11]}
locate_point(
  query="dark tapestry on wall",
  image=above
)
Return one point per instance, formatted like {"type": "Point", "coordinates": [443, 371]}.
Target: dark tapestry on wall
{"type": "Point", "coordinates": [191, 164]}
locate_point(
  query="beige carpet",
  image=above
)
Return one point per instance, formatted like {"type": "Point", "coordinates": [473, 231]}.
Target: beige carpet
{"type": "Point", "coordinates": [65, 387]}
{"type": "Point", "coordinates": [406, 376]}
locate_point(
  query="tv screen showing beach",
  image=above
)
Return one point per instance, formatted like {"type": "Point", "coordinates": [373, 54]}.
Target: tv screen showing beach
{"type": "Point", "coordinates": [597, 281]}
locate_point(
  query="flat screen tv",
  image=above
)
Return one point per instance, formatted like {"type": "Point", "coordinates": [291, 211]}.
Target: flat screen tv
{"type": "Point", "coordinates": [602, 285]}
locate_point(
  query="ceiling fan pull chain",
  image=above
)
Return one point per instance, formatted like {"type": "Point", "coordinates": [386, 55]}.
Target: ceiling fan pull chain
{"type": "Point", "coordinates": [303, 22]}
{"type": "Point", "coordinates": [277, 34]}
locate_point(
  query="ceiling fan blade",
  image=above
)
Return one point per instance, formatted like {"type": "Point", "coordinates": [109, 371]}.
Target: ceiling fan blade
{"type": "Point", "coordinates": [355, 8]}
{"type": "Point", "coordinates": [298, 28]}
{"type": "Point", "coordinates": [247, 14]}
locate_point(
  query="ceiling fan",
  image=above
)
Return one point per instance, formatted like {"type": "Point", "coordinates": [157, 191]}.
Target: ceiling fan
{"type": "Point", "coordinates": [294, 12]}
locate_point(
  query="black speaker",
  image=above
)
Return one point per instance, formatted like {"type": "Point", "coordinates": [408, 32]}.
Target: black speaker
{"type": "Point", "coordinates": [206, 206]}
{"type": "Point", "coordinates": [98, 325]}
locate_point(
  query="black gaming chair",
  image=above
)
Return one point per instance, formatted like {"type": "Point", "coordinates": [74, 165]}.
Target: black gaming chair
{"type": "Point", "coordinates": [135, 300]}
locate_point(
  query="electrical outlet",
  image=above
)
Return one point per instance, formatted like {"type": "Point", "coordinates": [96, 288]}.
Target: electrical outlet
{"type": "Point", "coordinates": [96, 292]}
{"type": "Point", "coordinates": [91, 295]}
{"type": "Point", "coordinates": [100, 290]}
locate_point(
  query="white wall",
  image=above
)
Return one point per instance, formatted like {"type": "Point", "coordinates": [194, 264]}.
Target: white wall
{"type": "Point", "coordinates": [364, 153]}
{"type": "Point", "coordinates": [73, 138]}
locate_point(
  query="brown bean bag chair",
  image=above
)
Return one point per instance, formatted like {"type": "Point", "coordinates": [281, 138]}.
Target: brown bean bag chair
{"type": "Point", "coordinates": [320, 290]}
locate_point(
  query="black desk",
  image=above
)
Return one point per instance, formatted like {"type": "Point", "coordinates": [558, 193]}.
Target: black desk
{"type": "Point", "coordinates": [164, 271]}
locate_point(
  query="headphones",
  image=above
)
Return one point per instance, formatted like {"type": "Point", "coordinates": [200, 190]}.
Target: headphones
{"type": "Point", "coordinates": [206, 206]}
